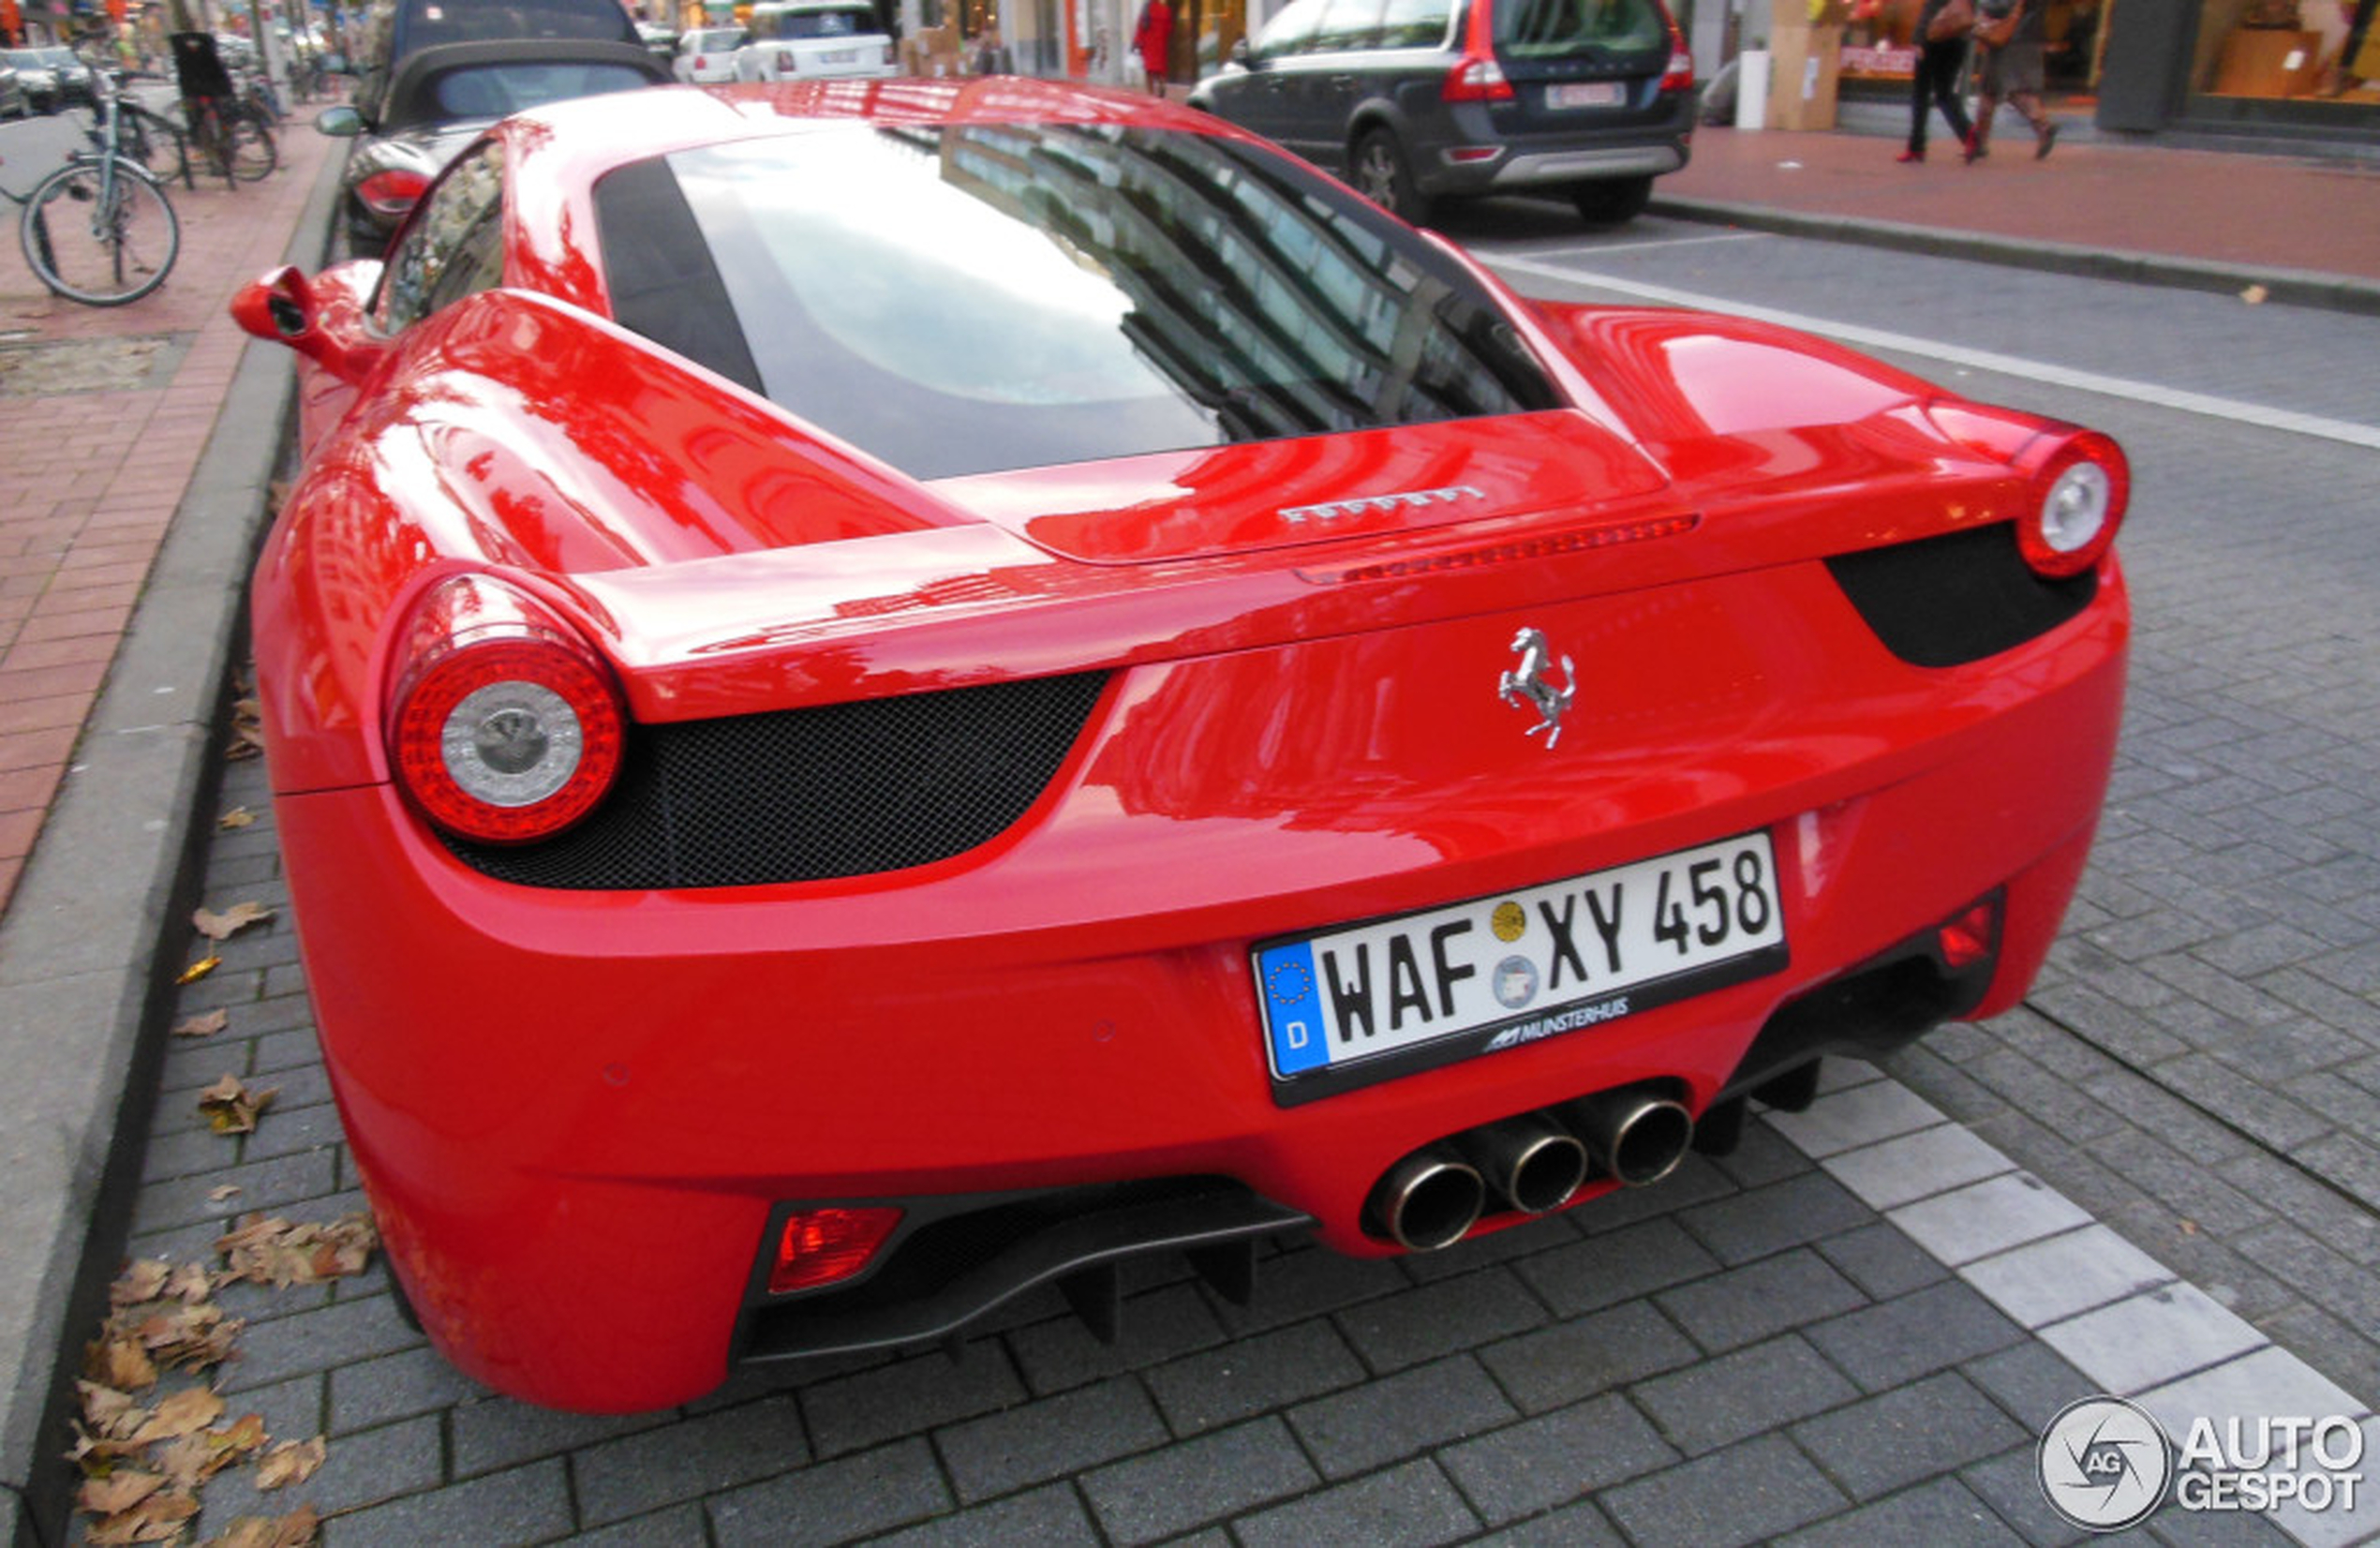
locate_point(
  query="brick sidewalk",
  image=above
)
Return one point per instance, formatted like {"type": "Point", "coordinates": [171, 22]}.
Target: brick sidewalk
{"type": "Point", "coordinates": [106, 412]}
{"type": "Point", "coordinates": [2213, 206]}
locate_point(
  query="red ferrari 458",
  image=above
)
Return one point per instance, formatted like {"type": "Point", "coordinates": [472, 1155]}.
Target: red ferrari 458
{"type": "Point", "coordinates": [884, 693]}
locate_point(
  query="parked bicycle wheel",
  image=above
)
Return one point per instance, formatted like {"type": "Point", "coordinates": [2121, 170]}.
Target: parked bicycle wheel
{"type": "Point", "coordinates": [99, 232]}
{"type": "Point", "coordinates": [248, 144]}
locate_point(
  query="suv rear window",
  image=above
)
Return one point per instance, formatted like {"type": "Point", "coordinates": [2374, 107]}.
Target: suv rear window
{"type": "Point", "coordinates": [1532, 29]}
{"type": "Point", "coordinates": [950, 300]}
{"type": "Point", "coordinates": [813, 24]}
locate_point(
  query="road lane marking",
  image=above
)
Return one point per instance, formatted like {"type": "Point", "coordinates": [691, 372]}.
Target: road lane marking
{"type": "Point", "coordinates": [1872, 339]}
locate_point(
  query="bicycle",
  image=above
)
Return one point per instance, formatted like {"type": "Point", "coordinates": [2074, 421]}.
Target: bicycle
{"type": "Point", "coordinates": [235, 135]}
{"type": "Point", "coordinates": [99, 230]}
{"type": "Point", "coordinates": [157, 143]}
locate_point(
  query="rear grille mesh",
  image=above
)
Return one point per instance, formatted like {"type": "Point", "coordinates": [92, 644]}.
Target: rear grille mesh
{"type": "Point", "coordinates": [810, 795]}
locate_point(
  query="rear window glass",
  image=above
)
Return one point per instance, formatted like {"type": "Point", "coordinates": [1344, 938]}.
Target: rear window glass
{"type": "Point", "coordinates": [495, 90]}
{"type": "Point", "coordinates": [965, 299]}
{"type": "Point", "coordinates": [814, 23]}
{"type": "Point", "coordinates": [424, 23]}
{"type": "Point", "coordinates": [1530, 28]}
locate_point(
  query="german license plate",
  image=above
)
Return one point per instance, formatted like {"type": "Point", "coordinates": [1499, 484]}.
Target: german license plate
{"type": "Point", "coordinates": [840, 56]}
{"type": "Point", "coordinates": [1585, 93]}
{"type": "Point", "coordinates": [1509, 969]}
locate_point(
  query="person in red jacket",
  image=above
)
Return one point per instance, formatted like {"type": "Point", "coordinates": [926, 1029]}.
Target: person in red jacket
{"type": "Point", "coordinates": [1152, 39]}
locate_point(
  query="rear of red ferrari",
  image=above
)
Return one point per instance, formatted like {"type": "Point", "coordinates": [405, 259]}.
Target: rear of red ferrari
{"type": "Point", "coordinates": [1405, 827]}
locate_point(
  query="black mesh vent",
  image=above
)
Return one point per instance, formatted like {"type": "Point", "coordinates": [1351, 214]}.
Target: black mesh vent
{"type": "Point", "coordinates": [808, 794]}
{"type": "Point", "coordinates": [1958, 597]}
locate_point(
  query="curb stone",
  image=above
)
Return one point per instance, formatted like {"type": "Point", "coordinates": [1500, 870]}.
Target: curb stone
{"type": "Point", "coordinates": [90, 943]}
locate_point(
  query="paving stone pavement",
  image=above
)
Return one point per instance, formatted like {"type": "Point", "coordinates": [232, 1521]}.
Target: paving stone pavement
{"type": "Point", "coordinates": [1854, 1327]}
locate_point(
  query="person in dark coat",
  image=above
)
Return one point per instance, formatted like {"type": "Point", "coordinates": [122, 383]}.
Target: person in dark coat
{"type": "Point", "coordinates": [2014, 71]}
{"type": "Point", "coordinates": [1936, 84]}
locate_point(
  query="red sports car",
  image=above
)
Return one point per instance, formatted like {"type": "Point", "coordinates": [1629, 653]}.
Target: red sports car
{"type": "Point", "coordinates": [884, 694]}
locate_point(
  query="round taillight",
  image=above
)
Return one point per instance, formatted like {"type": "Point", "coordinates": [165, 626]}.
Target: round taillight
{"type": "Point", "coordinates": [508, 729]}
{"type": "Point", "coordinates": [392, 193]}
{"type": "Point", "coordinates": [2079, 493]}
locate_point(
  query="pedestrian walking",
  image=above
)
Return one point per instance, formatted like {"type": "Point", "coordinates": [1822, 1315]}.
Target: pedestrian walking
{"type": "Point", "coordinates": [2008, 63]}
{"type": "Point", "coordinates": [1153, 41]}
{"type": "Point", "coordinates": [1940, 61]}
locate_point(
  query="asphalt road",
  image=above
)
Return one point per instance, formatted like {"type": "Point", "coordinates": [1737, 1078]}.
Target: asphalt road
{"type": "Point", "coordinates": [2161, 1176]}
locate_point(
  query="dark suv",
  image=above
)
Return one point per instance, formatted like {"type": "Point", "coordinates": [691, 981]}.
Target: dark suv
{"type": "Point", "coordinates": [1418, 100]}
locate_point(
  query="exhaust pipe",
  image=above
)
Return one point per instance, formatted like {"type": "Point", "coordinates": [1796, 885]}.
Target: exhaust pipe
{"type": "Point", "coordinates": [1531, 1162]}
{"type": "Point", "coordinates": [1634, 1135]}
{"type": "Point", "coordinates": [1426, 1201]}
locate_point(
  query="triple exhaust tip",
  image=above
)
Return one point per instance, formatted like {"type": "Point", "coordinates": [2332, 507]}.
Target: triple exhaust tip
{"type": "Point", "coordinates": [1534, 1163]}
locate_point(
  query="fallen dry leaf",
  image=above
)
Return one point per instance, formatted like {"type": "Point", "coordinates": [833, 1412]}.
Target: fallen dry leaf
{"type": "Point", "coordinates": [297, 1529]}
{"type": "Point", "coordinates": [159, 1518]}
{"type": "Point", "coordinates": [248, 731]}
{"type": "Point", "coordinates": [200, 969]}
{"type": "Point", "coordinates": [190, 1282]}
{"type": "Point", "coordinates": [113, 1413]}
{"type": "Point", "coordinates": [2255, 295]}
{"type": "Point", "coordinates": [223, 925]}
{"type": "Point", "coordinates": [118, 1492]}
{"type": "Point", "coordinates": [231, 1107]}
{"type": "Point", "coordinates": [190, 1337]}
{"type": "Point", "coordinates": [229, 1190]}
{"type": "Point", "coordinates": [193, 1459]}
{"type": "Point", "coordinates": [202, 1026]}
{"type": "Point", "coordinates": [120, 1363]}
{"type": "Point", "coordinates": [239, 817]}
{"type": "Point", "coordinates": [187, 1412]}
{"type": "Point", "coordinates": [292, 1462]}
{"type": "Point", "coordinates": [264, 1250]}
{"type": "Point", "coordinates": [142, 1279]}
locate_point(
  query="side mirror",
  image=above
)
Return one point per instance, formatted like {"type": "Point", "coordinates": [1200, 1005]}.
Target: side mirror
{"type": "Point", "coordinates": [340, 122]}
{"type": "Point", "coordinates": [1242, 55]}
{"type": "Point", "coordinates": [281, 308]}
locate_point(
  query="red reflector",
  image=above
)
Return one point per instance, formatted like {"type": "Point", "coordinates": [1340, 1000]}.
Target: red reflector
{"type": "Point", "coordinates": [820, 1246]}
{"type": "Point", "coordinates": [1968, 939]}
{"type": "Point", "coordinates": [1461, 154]}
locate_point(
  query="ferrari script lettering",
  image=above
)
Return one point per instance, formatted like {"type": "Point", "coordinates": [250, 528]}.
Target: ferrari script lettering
{"type": "Point", "coordinates": [1297, 515]}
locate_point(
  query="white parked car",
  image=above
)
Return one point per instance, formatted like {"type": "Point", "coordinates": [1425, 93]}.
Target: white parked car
{"type": "Point", "coordinates": [807, 39]}
{"type": "Point", "coordinates": [707, 54]}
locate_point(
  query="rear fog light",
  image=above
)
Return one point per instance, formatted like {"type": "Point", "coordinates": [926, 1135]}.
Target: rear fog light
{"type": "Point", "coordinates": [1972, 937]}
{"type": "Point", "coordinates": [821, 1246]}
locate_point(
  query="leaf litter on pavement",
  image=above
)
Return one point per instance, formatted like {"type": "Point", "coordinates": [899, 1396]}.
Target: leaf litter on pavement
{"type": "Point", "coordinates": [146, 1446]}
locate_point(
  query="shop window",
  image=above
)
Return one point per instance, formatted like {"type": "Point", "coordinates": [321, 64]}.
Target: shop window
{"type": "Point", "coordinates": [2303, 50]}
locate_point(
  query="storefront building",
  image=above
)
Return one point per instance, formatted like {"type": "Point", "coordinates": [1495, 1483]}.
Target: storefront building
{"type": "Point", "coordinates": [2289, 69]}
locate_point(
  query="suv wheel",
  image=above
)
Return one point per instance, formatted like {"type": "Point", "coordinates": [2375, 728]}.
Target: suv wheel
{"type": "Point", "coordinates": [1382, 175]}
{"type": "Point", "coordinates": [1613, 201]}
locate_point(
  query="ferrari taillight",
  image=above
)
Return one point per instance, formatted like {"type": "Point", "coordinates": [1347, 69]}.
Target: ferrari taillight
{"type": "Point", "coordinates": [506, 726]}
{"type": "Point", "coordinates": [821, 1246]}
{"type": "Point", "coordinates": [392, 193]}
{"type": "Point", "coordinates": [2079, 486]}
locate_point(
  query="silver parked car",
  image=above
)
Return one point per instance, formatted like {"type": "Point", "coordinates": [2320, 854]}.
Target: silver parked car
{"type": "Point", "coordinates": [706, 55]}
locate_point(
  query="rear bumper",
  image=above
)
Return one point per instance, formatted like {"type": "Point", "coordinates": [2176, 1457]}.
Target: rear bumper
{"type": "Point", "coordinates": [601, 1099]}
